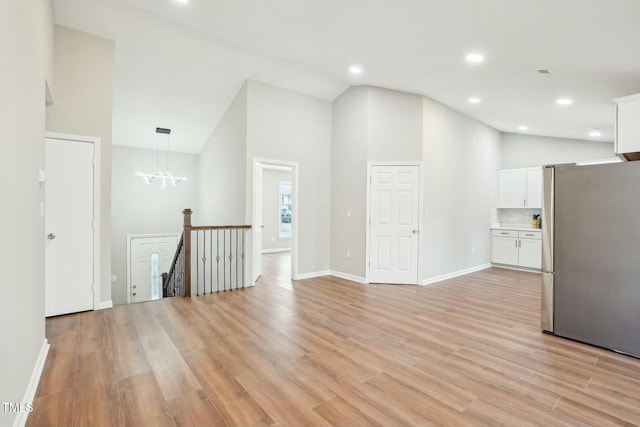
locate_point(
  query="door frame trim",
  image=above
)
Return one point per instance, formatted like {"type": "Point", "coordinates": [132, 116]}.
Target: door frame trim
{"type": "Point", "coordinates": [130, 238]}
{"type": "Point", "coordinates": [295, 217]}
{"type": "Point", "coordinates": [97, 196]}
{"type": "Point", "coordinates": [368, 217]}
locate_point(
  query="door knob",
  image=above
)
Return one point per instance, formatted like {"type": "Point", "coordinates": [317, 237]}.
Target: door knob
{"type": "Point", "coordinates": [51, 236]}
{"type": "Point", "coordinates": [414, 231]}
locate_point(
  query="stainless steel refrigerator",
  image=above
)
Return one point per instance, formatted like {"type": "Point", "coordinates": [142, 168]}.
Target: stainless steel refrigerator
{"type": "Point", "coordinates": [591, 254]}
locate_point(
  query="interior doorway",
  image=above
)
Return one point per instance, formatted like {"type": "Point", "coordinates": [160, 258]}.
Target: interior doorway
{"type": "Point", "coordinates": [275, 215]}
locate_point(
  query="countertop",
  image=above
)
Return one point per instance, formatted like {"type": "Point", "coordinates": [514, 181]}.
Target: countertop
{"type": "Point", "coordinates": [515, 227]}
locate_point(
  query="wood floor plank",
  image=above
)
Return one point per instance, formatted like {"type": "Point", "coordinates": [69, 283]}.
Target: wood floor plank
{"type": "Point", "coordinates": [194, 410]}
{"type": "Point", "coordinates": [326, 351]}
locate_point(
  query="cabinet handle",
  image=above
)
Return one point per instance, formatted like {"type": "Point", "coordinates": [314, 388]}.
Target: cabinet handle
{"type": "Point", "coordinates": [524, 202]}
{"type": "Point", "coordinates": [504, 232]}
{"type": "Point", "coordinates": [528, 234]}
{"type": "Point", "coordinates": [516, 242]}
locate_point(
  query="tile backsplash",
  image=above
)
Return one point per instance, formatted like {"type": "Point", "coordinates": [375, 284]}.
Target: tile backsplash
{"type": "Point", "coordinates": [516, 217]}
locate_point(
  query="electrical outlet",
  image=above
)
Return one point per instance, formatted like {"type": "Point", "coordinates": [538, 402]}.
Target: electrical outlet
{"type": "Point", "coordinates": [114, 279]}
{"type": "Point", "coordinates": [473, 250]}
{"type": "Point", "coordinates": [348, 254]}
{"type": "Point", "coordinates": [348, 213]}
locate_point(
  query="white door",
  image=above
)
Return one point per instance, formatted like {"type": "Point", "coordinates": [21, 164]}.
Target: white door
{"type": "Point", "coordinates": [258, 226]}
{"type": "Point", "coordinates": [68, 226]}
{"type": "Point", "coordinates": [149, 257]}
{"type": "Point", "coordinates": [394, 214]}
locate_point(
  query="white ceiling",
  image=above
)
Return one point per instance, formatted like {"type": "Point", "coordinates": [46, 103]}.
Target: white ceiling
{"type": "Point", "coordinates": [179, 66]}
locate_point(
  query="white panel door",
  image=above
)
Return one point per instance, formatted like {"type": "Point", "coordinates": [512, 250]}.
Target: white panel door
{"type": "Point", "coordinates": [68, 227]}
{"type": "Point", "coordinates": [394, 215]}
{"type": "Point", "coordinates": [149, 257]}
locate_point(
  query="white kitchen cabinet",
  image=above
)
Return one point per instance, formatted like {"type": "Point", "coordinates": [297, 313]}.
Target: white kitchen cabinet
{"type": "Point", "coordinates": [627, 135]}
{"type": "Point", "coordinates": [530, 249]}
{"type": "Point", "coordinates": [519, 248]}
{"type": "Point", "coordinates": [504, 247]}
{"type": "Point", "coordinates": [520, 188]}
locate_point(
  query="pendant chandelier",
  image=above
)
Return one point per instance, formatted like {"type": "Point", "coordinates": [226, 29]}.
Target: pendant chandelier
{"type": "Point", "coordinates": [163, 177]}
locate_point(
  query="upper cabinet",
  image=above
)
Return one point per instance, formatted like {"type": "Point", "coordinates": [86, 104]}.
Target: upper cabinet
{"type": "Point", "coordinates": [520, 188]}
{"type": "Point", "coordinates": [627, 135]}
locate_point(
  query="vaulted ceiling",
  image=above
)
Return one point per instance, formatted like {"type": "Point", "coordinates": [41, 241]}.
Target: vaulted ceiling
{"type": "Point", "coordinates": [179, 65]}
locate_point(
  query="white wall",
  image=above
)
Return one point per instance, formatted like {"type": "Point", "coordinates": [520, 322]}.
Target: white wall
{"type": "Point", "coordinates": [349, 180]}
{"type": "Point", "coordinates": [284, 125]}
{"type": "Point", "coordinates": [26, 34]}
{"type": "Point", "coordinates": [394, 126]}
{"type": "Point", "coordinates": [221, 165]}
{"type": "Point", "coordinates": [461, 156]}
{"type": "Point", "coordinates": [271, 180]}
{"type": "Point", "coordinates": [83, 106]}
{"type": "Point", "coordinates": [531, 150]}
{"type": "Point", "coordinates": [139, 208]}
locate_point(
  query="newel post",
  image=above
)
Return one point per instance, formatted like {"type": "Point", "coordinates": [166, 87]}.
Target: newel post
{"type": "Point", "coordinates": [187, 251]}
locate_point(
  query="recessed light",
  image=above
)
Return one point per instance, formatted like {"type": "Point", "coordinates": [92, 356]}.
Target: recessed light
{"type": "Point", "coordinates": [523, 128]}
{"type": "Point", "coordinates": [595, 133]}
{"type": "Point", "coordinates": [564, 101]}
{"type": "Point", "coordinates": [474, 58]}
{"type": "Point", "coordinates": [355, 69]}
{"type": "Point", "coordinates": [182, 1]}
{"type": "Point", "coordinates": [474, 100]}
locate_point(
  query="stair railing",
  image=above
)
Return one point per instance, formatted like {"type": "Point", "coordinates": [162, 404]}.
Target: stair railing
{"type": "Point", "coordinates": [209, 259]}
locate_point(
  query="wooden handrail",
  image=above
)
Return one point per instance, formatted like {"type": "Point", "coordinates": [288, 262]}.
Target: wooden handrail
{"type": "Point", "coordinates": [219, 227]}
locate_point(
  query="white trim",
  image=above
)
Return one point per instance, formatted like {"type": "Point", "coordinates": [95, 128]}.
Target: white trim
{"type": "Point", "coordinates": [295, 212]}
{"type": "Point", "coordinates": [97, 196]}
{"type": "Point", "coordinates": [347, 276]}
{"type": "Point", "coordinates": [458, 273]}
{"type": "Point", "coordinates": [312, 275]}
{"type": "Point", "coordinates": [105, 305]}
{"type": "Point", "coordinates": [272, 251]}
{"type": "Point", "coordinates": [21, 418]}
{"type": "Point", "coordinates": [368, 213]}
{"type": "Point", "coordinates": [131, 237]}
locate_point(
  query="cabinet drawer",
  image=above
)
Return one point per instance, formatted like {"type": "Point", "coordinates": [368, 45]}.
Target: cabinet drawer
{"type": "Point", "coordinates": [530, 235]}
{"type": "Point", "coordinates": [504, 233]}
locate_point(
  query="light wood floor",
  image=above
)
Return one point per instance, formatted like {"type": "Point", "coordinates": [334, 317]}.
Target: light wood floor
{"type": "Point", "coordinates": [325, 351]}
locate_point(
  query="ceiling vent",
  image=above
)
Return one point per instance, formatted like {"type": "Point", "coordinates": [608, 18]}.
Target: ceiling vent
{"type": "Point", "coordinates": [546, 73]}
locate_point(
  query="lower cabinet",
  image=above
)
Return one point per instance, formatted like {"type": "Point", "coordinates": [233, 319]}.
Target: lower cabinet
{"type": "Point", "coordinates": [517, 248]}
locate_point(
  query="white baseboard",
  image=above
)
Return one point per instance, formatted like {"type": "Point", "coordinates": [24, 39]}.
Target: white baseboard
{"type": "Point", "coordinates": [312, 275]}
{"type": "Point", "coordinates": [458, 273]}
{"type": "Point", "coordinates": [348, 276]}
{"type": "Point", "coordinates": [21, 419]}
{"type": "Point", "coordinates": [104, 305]}
{"type": "Point", "coordinates": [271, 251]}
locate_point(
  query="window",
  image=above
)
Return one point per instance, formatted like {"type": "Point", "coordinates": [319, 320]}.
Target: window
{"type": "Point", "coordinates": [156, 277]}
{"type": "Point", "coordinates": [284, 231]}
